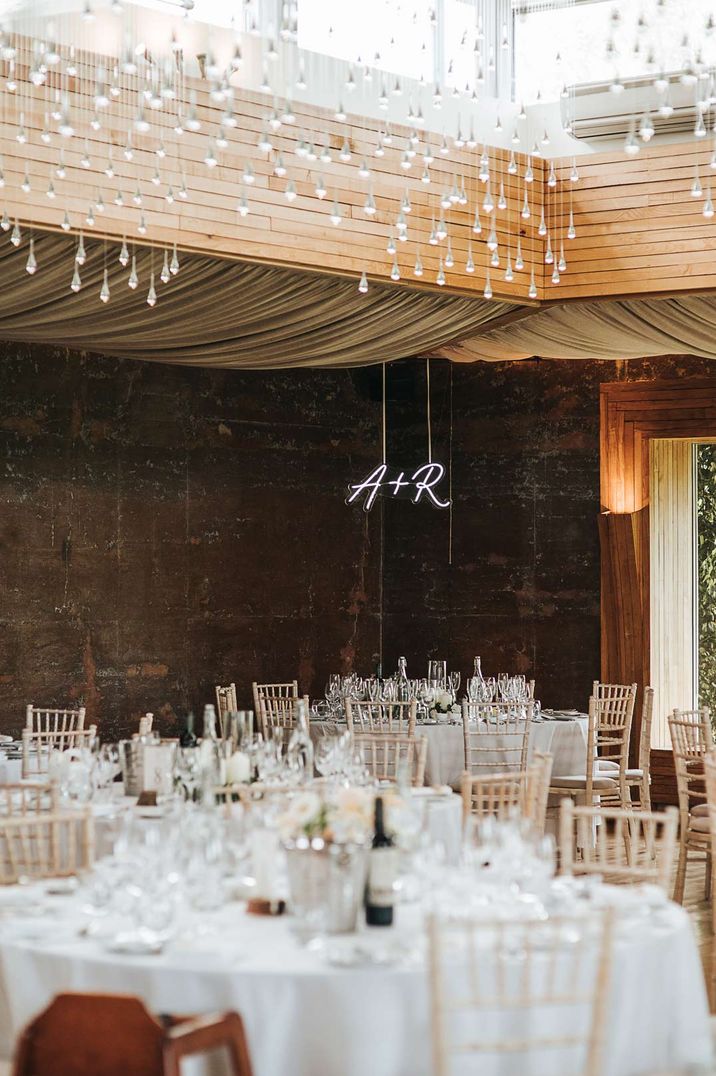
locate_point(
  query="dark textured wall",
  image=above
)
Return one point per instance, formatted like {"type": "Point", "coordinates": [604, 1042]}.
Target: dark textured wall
{"type": "Point", "coordinates": [162, 529]}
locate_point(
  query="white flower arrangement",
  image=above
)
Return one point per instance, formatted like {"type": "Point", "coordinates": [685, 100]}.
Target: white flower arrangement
{"type": "Point", "coordinates": [444, 703]}
{"type": "Point", "coordinates": [344, 817]}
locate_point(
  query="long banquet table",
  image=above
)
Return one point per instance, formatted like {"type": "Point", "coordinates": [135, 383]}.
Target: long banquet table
{"type": "Point", "coordinates": [309, 1018]}
{"type": "Point", "coordinates": [565, 740]}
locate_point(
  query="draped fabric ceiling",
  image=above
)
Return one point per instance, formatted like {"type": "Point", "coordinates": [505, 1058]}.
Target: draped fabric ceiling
{"type": "Point", "coordinates": [248, 316]}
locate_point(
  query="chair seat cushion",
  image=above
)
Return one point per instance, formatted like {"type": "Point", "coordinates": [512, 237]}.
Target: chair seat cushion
{"type": "Point", "coordinates": [701, 810]}
{"type": "Point", "coordinates": [635, 775]}
{"type": "Point", "coordinates": [699, 824]}
{"type": "Point", "coordinates": [607, 764]}
{"type": "Point", "coordinates": [599, 784]}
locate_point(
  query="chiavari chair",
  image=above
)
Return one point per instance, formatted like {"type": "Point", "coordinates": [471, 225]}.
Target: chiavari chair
{"type": "Point", "coordinates": [617, 845]}
{"type": "Point", "coordinates": [48, 844]}
{"type": "Point", "coordinates": [691, 741]}
{"type": "Point", "coordinates": [496, 739]}
{"type": "Point", "coordinates": [510, 989]}
{"type": "Point", "coordinates": [225, 704]}
{"type": "Point", "coordinates": [47, 719]}
{"type": "Point", "coordinates": [388, 755]}
{"type": "Point", "coordinates": [396, 717]}
{"type": "Point", "coordinates": [611, 708]}
{"type": "Point", "coordinates": [25, 799]}
{"type": "Point", "coordinates": [521, 793]}
{"type": "Point", "coordinates": [277, 714]}
{"type": "Point", "coordinates": [38, 746]}
{"type": "Point", "coordinates": [273, 691]}
{"type": "Point", "coordinates": [87, 1034]}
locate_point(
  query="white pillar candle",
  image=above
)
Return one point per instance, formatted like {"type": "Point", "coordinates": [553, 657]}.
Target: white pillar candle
{"type": "Point", "coordinates": [238, 768]}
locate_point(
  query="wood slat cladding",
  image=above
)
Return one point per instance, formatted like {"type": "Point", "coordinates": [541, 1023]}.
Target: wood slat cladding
{"type": "Point", "coordinates": [274, 231]}
{"type": "Point", "coordinates": [638, 228]}
{"type": "Point", "coordinates": [631, 416]}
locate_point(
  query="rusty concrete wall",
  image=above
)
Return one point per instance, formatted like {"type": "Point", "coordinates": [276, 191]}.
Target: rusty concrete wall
{"type": "Point", "coordinates": [164, 529]}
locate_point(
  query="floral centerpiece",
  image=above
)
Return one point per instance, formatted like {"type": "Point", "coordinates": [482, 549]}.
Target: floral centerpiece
{"type": "Point", "coordinates": [444, 703]}
{"type": "Point", "coordinates": [345, 816]}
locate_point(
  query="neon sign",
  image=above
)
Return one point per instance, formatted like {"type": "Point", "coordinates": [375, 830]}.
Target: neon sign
{"type": "Point", "coordinates": [421, 486]}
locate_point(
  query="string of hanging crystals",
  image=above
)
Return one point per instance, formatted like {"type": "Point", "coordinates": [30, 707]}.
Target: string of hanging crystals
{"type": "Point", "coordinates": [125, 116]}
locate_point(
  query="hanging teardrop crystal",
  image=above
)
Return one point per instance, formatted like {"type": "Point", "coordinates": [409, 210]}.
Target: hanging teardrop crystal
{"type": "Point", "coordinates": [5, 221]}
{"type": "Point", "coordinates": [542, 229]}
{"type": "Point", "coordinates": [509, 275]}
{"type": "Point", "coordinates": [133, 280]}
{"type": "Point", "coordinates": [391, 248]}
{"type": "Point", "coordinates": [476, 224]}
{"type": "Point", "coordinates": [552, 177]}
{"type": "Point", "coordinates": [502, 201]}
{"type": "Point", "coordinates": [571, 230]}
{"type": "Point", "coordinates": [548, 255]}
{"type": "Point", "coordinates": [441, 229]}
{"type": "Point", "coordinates": [532, 292]}
{"type": "Point", "coordinates": [16, 235]}
{"type": "Point", "coordinates": [76, 282]}
{"type": "Point", "coordinates": [469, 264]}
{"type": "Point", "coordinates": [142, 226]}
{"type": "Point", "coordinates": [418, 270]}
{"type": "Point", "coordinates": [363, 283]}
{"type": "Point", "coordinates": [335, 217]}
{"type": "Point", "coordinates": [165, 274]}
{"type": "Point", "coordinates": [440, 278]}
{"type": "Point", "coordinates": [65, 225]}
{"type": "Point", "coordinates": [708, 209]}
{"type": "Point", "coordinates": [104, 290]}
{"type": "Point", "coordinates": [574, 174]}
{"type": "Point", "coordinates": [25, 185]}
{"type": "Point", "coordinates": [696, 188]}
{"type": "Point", "coordinates": [512, 166]}
{"type": "Point", "coordinates": [492, 239]}
{"type": "Point", "coordinates": [525, 213]}
{"type": "Point", "coordinates": [90, 216]}
{"type": "Point", "coordinates": [369, 207]}
{"type": "Point", "coordinates": [562, 263]}
{"type": "Point", "coordinates": [290, 192]}
{"type": "Point", "coordinates": [495, 259]}
{"type": "Point", "coordinates": [700, 128]}
{"type": "Point", "coordinates": [80, 253]}
{"type": "Point", "coordinates": [31, 263]}
{"type": "Point", "coordinates": [345, 152]}
{"type": "Point", "coordinates": [248, 175]}
{"type": "Point", "coordinates": [124, 254]}
{"type": "Point", "coordinates": [555, 274]}
{"type": "Point", "coordinates": [449, 259]}
{"type": "Point", "coordinates": [395, 270]}
{"type": "Point", "coordinates": [487, 204]}
{"type": "Point", "coordinates": [174, 263]}
{"type": "Point", "coordinates": [488, 286]}
{"type": "Point", "coordinates": [152, 293]}
{"type": "Point", "coordinates": [242, 206]}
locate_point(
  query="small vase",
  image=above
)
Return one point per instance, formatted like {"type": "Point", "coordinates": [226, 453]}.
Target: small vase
{"type": "Point", "coordinates": [326, 883]}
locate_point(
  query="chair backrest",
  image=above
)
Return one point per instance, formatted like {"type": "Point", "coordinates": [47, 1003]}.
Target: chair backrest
{"type": "Point", "coordinates": [47, 719]}
{"type": "Point", "coordinates": [496, 736]}
{"type": "Point", "coordinates": [24, 799]}
{"type": "Point", "coordinates": [225, 704]}
{"type": "Point", "coordinates": [691, 740]}
{"type": "Point", "coordinates": [278, 713]}
{"type": "Point", "coordinates": [620, 846]}
{"type": "Point", "coordinates": [395, 717]}
{"type": "Point", "coordinates": [38, 746]}
{"type": "Point", "coordinates": [647, 713]}
{"type": "Point", "coordinates": [89, 1034]}
{"type": "Point", "coordinates": [513, 989]}
{"type": "Point", "coordinates": [613, 713]}
{"type": "Point", "coordinates": [388, 756]}
{"type": "Point", "coordinates": [503, 795]}
{"type": "Point", "coordinates": [50, 844]}
{"type": "Point", "coordinates": [273, 691]}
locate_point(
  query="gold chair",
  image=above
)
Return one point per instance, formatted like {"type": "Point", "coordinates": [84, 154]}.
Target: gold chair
{"type": "Point", "coordinates": [278, 713]}
{"type": "Point", "coordinates": [691, 741]}
{"type": "Point", "coordinates": [639, 777]}
{"type": "Point", "coordinates": [611, 708]}
{"type": "Point", "coordinates": [496, 741]}
{"type": "Point", "coordinates": [503, 795]}
{"type": "Point", "coordinates": [395, 717]}
{"type": "Point", "coordinates": [47, 719]}
{"type": "Point", "coordinates": [619, 846]}
{"type": "Point", "coordinates": [38, 746]}
{"type": "Point", "coordinates": [50, 844]}
{"type": "Point", "coordinates": [273, 691]}
{"type": "Point", "coordinates": [25, 799]}
{"type": "Point", "coordinates": [484, 998]}
{"type": "Point", "coordinates": [225, 704]}
{"type": "Point", "coordinates": [385, 754]}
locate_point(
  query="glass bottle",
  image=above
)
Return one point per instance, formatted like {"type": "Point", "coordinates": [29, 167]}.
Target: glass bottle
{"type": "Point", "coordinates": [382, 873]}
{"type": "Point", "coordinates": [402, 682]}
{"type": "Point", "coordinates": [300, 745]}
{"type": "Point", "coordinates": [188, 736]}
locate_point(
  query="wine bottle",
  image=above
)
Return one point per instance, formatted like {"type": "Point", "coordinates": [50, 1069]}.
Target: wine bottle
{"type": "Point", "coordinates": [188, 736]}
{"type": "Point", "coordinates": [382, 872]}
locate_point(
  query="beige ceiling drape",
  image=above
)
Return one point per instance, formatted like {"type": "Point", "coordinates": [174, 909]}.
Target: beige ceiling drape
{"type": "Point", "coordinates": [614, 329]}
{"type": "Point", "coordinates": [221, 313]}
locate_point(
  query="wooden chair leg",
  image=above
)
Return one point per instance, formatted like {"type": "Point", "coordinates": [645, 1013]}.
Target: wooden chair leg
{"type": "Point", "coordinates": [680, 873]}
{"type": "Point", "coordinates": [709, 877]}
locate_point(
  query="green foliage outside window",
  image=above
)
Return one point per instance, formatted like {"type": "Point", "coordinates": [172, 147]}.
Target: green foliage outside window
{"type": "Point", "coordinates": [706, 507]}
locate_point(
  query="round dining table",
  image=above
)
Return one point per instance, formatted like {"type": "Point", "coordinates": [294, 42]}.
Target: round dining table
{"type": "Point", "coordinates": [328, 1010]}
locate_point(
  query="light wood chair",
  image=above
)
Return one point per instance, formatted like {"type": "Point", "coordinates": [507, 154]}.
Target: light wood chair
{"type": "Point", "coordinates": [513, 989]}
{"type": "Point", "coordinates": [38, 746]}
{"type": "Point", "coordinates": [277, 713]}
{"type": "Point", "coordinates": [611, 708]}
{"type": "Point", "coordinates": [691, 741]}
{"type": "Point", "coordinates": [27, 799]}
{"type": "Point", "coordinates": [495, 741]}
{"type": "Point", "coordinates": [49, 844]}
{"type": "Point", "coordinates": [385, 754]}
{"type": "Point", "coordinates": [47, 719]}
{"type": "Point", "coordinates": [503, 795]}
{"type": "Point", "coordinates": [619, 846]}
{"type": "Point", "coordinates": [273, 691]}
{"type": "Point", "coordinates": [639, 777]}
{"type": "Point", "coordinates": [89, 1034]}
{"type": "Point", "coordinates": [225, 704]}
{"type": "Point", "coordinates": [395, 717]}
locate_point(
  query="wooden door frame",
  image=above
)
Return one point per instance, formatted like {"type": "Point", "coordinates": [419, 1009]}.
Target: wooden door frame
{"type": "Point", "coordinates": [631, 415]}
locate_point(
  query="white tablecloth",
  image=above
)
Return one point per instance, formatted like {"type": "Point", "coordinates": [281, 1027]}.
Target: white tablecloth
{"type": "Point", "coordinates": [307, 1018]}
{"type": "Point", "coordinates": [566, 741]}
{"type": "Point", "coordinates": [10, 769]}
